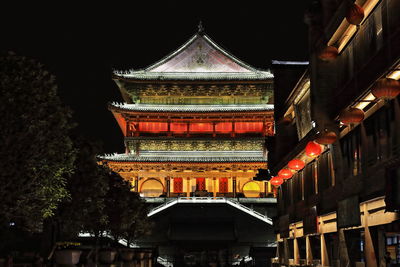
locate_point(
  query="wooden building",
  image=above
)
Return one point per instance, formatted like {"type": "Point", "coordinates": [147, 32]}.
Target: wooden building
{"type": "Point", "coordinates": [195, 124]}
{"type": "Point", "coordinates": [342, 120]}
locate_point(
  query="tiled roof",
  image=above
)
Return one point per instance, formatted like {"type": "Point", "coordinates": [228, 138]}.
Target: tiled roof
{"type": "Point", "coordinates": [189, 156]}
{"type": "Point", "coordinates": [200, 58]}
{"type": "Point", "coordinates": [191, 108]}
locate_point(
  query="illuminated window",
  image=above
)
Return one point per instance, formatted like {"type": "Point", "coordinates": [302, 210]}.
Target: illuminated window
{"type": "Point", "coordinates": [223, 127]}
{"type": "Point", "coordinates": [153, 127]}
{"type": "Point", "coordinates": [200, 184]}
{"type": "Point", "coordinates": [179, 127]}
{"type": "Point", "coordinates": [178, 185]}
{"type": "Point", "coordinates": [201, 127]}
{"type": "Point", "coordinates": [223, 185]}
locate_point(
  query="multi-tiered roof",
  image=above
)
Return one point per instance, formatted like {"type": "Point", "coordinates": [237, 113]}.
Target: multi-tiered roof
{"type": "Point", "coordinates": [201, 80]}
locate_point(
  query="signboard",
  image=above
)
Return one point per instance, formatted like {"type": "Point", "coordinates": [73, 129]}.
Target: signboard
{"type": "Point", "coordinates": [310, 221]}
{"type": "Point", "coordinates": [348, 212]}
{"type": "Point", "coordinates": [284, 226]}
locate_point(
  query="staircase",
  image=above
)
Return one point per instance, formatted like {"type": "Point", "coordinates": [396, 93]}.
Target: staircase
{"type": "Point", "coordinates": [210, 200]}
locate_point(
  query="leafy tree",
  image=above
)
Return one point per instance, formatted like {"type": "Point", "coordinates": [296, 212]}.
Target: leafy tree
{"type": "Point", "coordinates": [36, 153]}
{"type": "Point", "coordinates": [127, 211]}
{"type": "Point", "coordinates": [84, 210]}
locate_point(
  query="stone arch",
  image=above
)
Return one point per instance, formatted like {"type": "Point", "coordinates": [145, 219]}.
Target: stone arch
{"type": "Point", "coordinates": [151, 188]}
{"type": "Point", "coordinates": [251, 189]}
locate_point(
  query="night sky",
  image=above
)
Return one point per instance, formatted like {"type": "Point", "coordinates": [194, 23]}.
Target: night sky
{"type": "Point", "coordinates": [81, 45]}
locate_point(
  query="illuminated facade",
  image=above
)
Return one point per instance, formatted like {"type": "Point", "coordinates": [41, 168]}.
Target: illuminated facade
{"type": "Point", "coordinates": [195, 124]}
{"type": "Point", "coordinates": [342, 208]}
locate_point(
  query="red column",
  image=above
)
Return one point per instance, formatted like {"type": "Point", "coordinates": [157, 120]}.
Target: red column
{"type": "Point", "coordinates": [214, 133]}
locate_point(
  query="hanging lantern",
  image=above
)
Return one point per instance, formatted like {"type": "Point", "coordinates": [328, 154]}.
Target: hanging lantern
{"type": "Point", "coordinates": [296, 164]}
{"type": "Point", "coordinates": [285, 174]}
{"type": "Point", "coordinates": [313, 149]}
{"type": "Point", "coordinates": [351, 116]}
{"type": "Point", "coordinates": [326, 138]}
{"type": "Point", "coordinates": [386, 88]}
{"type": "Point", "coordinates": [276, 181]}
{"type": "Point", "coordinates": [355, 14]}
{"type": "Point", "coordinates": [328, 53]}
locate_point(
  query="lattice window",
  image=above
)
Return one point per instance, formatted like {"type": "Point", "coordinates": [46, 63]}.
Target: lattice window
{"type": "Point", "coordinates": [178, 185]}
{"type": "Point", "coordinates": [223, 185]}
{"type": "Point", "coordinates": [200, 184]}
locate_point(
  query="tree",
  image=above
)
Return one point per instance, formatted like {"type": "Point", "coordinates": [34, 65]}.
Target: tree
{"type": "Point", "coordinates": [84, 210]}
{"type": "Point", "coordinates": [127, 211]}
{"type": "Point", "coordinates": [36, 153]}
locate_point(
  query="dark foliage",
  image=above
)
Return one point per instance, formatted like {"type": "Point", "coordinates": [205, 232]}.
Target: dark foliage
{"type": "Point", "coordinates": [36, 153]}
{"type": "Point", "coordinates": [126, 210]}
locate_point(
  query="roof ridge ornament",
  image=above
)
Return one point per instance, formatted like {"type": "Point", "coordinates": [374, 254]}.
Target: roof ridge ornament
{"type": "Point", "coordinates": [200, 27]}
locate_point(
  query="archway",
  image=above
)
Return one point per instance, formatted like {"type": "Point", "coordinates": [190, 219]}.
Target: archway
{"type": "Point", "coordinates": [152, 188]}
{"type": "Point", "coordinates": [251, 189]}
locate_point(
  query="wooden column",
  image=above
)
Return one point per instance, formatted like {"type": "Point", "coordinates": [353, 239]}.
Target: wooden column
{"type": "Point", "coordinates": [137, 132]}
{"type": "Point", "coordinates": [142, 259]}
{"type": "Point", "coordinates": [234, 186]}
{"type": "Point", "coordinates": [269, 187]}
{"type": "Point", "coordinates": [343, 253]}
{"type": "Point", "coordinates": [324, 251]}
{"type": "Point", "coordinates": [187, 129]}
{"type": "Point", "coordinates": [264, 129]}
{"type": "Point", "coordinates": [168, 185]}
{"type": "Point", "coordinates": [215, 187]}
{"type": "Point", "coordinates": [381, 246]}
{"type": "Point", "coordinates": [265, 188]}
{"type": "Point", "coordinates": [169, 128]}
{"type": "Point", "coordinates": [369, 250]}
{"type": "Point", "coordinates": [137, 184]}
{"type": "Point", "coordinates": [188, 187]}
{"type": "Point", "coordinates": [150, 260]}
{"type": "Point", "coordinates": [309, 256]}
{"type": "Point", "coordinates": [214, 133]}
{"type": "Point", "coordinates": [127, 130]}
{"type": "Point", "coordinates": [286, 252]}
{"type": "Point", "coordinates": [233, 129]}
{"type": "Point", "coordinates": [296, 252]}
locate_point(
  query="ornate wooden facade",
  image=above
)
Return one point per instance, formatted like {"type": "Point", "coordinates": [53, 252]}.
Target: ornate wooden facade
{"type": "Point", "coordinates": [194, 124]}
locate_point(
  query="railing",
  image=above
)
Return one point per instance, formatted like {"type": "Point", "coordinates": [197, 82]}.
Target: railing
{"type": "Point", "coordinates": [211, 200]}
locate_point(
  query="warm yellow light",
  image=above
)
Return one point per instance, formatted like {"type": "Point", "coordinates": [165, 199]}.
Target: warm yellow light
{"type": "Point", "coordinates": [351, 30]}
{"type": "Point", "coordinates": [365, 101]}
{"type": "Point", "coordinates": [346, 31]}
{"type": "Point", "coordinates": [394, 75]}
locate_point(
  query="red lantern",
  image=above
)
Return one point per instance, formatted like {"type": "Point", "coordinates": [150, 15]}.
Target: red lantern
{"type": "Point", "coordinates": [276, 181]}
{"type": "Point", "coordinates": [285, 174]}
{"type": "Point", "coordinates": [386, 88]}
{"type": "Point", "coordinates": [351, 116]}
{"type": "Point", "coordinates": [355, 14]}
{"type": "Point", "coordinates": [326, 138]}
{"type": "Point", "coordinates": [296, 164]}
{"type": "Point", "coordinates": [328, 53]}
{"type": "Point", "coordinates": [313, 149]}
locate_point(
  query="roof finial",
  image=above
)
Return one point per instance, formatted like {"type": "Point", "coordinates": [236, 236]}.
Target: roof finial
{"type": "Point", "coordinates": [200, 27]}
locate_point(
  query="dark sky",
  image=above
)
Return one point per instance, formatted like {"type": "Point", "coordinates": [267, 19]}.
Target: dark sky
{"type": "Point", "coordinates": [80, 45]}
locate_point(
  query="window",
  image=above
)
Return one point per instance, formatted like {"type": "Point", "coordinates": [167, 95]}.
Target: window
{"type": "Point", "coordinates": [200, 184]}
{"type": "Point", "coordinates": [309, 180]}
{"type": "Point", "coordinates": [325, 172]}
{"type": "Point", "coordinates": [223, 185]}
{"type": "Point", "coordinates": [377, 130]}
{"type": "Point", "coordinates": [178, 185]}
{"type": "Point", "coordinates": [303, 115]}
{"type": "Point", "coordinates": [351, 153]}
